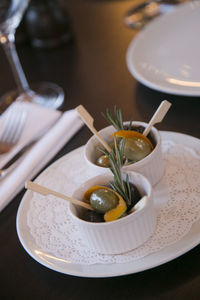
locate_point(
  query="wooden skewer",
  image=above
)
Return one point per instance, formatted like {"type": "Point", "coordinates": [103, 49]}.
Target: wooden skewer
{"type": "Point", "coordinates": [158, 115]}
{"type": "Point", "coordinates": [45, 191]}
{"type": "Point", "coordinates": [89, 121]}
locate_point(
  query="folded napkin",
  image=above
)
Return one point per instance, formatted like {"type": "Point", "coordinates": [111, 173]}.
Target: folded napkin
{"type": "Point", "coordinates": [56, 129]}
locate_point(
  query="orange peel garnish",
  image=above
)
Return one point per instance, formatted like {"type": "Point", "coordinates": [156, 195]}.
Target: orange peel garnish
{"type": "Point", "coordinates": [117, 212]}
{"type": "Point", "coordinates": [131, 133]}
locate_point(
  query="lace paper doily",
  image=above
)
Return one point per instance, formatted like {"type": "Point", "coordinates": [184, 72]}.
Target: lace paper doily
{"type": "Point", "coordinates": [176, 198]}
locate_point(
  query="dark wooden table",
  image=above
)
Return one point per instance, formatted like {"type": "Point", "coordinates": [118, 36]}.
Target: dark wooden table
{"type": "Point", "coordinates": [93, 72]}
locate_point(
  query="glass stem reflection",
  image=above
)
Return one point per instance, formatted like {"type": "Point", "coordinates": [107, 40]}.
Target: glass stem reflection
{"type": "Point", "coordinates": [8, 43]}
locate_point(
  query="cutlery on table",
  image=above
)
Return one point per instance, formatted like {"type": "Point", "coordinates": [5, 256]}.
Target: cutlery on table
{"type": "Point", "coordinates": [140, 15]}
{"type": "Point", "coordinates": [88, 120]}
{"type": "Point", "coordinates": [15, 160]}
{"type": "Point", "coordinates": [13, 128]}
{"type": "Point", "coordinates": [45, 191]}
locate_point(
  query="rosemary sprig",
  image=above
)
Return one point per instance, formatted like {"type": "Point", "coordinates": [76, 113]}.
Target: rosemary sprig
{"type": "Point", "coordinates": [116, 159]}
{"type": "Point", "coordinates": [116, 119]}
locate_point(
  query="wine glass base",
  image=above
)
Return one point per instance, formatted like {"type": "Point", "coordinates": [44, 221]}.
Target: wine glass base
{"type": "Point", "coordinates": [46, 94]}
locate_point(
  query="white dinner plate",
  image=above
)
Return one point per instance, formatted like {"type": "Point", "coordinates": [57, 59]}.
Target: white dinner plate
{"type": "Point", "coordinates": [188, 242]}
{"type": "Point", "coordinates": [165, 55]}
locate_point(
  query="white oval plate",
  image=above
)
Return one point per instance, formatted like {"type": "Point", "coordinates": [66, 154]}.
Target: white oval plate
{"type": "Point", "coordinates": [189, 241]}
{"type": "Point", "coordinates": [165, 55]}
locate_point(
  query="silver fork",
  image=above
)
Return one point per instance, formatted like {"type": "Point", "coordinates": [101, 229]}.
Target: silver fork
{"type": "Point", "coordinates": [13, 128]}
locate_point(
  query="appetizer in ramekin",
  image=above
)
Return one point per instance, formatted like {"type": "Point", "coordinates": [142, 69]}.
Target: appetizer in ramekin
{"type": "Point", "coordinates": [141, 154]}
{"type": "Point", "coordinates": [123, 214]}
{"type": "Point", "coordinates": [129, 230]}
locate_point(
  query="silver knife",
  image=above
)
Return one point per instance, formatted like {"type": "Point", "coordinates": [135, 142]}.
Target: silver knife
{"type": "Point", "coordinates": [15, 160]}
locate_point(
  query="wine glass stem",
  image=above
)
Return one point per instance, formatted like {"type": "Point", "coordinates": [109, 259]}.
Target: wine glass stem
{"type": "Point", "coordinates": [8, 43]}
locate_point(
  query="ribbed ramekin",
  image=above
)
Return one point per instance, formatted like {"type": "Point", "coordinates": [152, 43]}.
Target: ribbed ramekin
{"type": "Point", "coordinates": [152, 166]}
{"type": "Point", "coordinates": [121, 235]}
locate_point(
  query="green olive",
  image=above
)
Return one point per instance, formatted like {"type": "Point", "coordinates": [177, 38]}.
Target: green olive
{"type": "Point", "coordinates": [103, 200]}
{"type": "Point", "coordinates": [136, 149]}
{"type": "Point", "coordinates": [103, 161]}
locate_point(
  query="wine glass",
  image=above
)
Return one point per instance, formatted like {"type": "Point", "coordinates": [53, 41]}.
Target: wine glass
{"type": "Point", "coordinates": [139, 15]}
{"type": "Point", "coordinates": [46, 94]}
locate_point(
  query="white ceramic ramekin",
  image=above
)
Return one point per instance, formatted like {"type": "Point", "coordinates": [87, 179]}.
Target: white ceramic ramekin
{"type": "Point", "coordinates": [121, 235]}
{"type": "Point", "coordinates": [152, 166]}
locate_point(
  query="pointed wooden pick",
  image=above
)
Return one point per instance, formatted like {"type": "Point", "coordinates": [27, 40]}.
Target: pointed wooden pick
{"type": "Point", "coordinates": [45, 191]}
{"type": "Point", "coordinates": [88, 120]}
{"type": "Point", "coordinates": [158, 115]}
